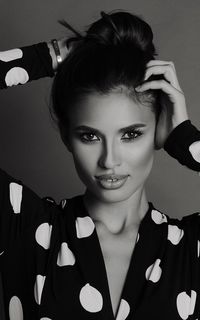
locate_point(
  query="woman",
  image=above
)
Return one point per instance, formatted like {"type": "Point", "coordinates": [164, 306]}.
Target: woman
{"type": "Point", "coordinates": [108, 253]}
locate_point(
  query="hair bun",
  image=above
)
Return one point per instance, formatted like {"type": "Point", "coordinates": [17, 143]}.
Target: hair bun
{"type": "Point", "coordinates": [122, 29]}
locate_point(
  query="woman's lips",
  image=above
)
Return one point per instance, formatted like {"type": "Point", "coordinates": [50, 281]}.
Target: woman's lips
{"type": "Point", "coordinates": [111, 176]}
{"type": "Point", "coordinates": [111, 181]}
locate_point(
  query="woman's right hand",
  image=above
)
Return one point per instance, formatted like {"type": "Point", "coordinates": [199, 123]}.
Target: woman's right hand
{"type": "Point", "coordinates": [174, 110]}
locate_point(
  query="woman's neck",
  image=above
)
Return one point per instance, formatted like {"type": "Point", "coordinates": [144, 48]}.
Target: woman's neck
{"type": "Point", "coordinates": [117, 217]}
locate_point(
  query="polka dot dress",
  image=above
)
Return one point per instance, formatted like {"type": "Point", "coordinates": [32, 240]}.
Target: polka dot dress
{"type": "Point", "coordinates": [52, 264]}
{"type": "Point", "coordinates": [50, 256]}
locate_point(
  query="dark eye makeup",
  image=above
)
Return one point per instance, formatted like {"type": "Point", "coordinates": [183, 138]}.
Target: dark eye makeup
{"type": "Point", "coordinates": [130, 136]}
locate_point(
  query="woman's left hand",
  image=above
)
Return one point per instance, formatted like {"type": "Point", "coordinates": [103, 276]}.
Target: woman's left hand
{"type": "Point", "coordinates": [168, 85]}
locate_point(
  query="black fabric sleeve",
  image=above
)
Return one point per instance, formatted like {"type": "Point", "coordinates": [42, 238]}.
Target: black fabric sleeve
{"type": "Point", "coordinates": [183, 144]}
{"type": "Point", "coordinates": [24, 64]}
{"type": "Point", "coordinates": [21, 210]}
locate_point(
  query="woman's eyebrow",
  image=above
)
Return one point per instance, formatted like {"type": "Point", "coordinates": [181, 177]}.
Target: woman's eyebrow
{"type": "Point", "coordinates": [131, 127]}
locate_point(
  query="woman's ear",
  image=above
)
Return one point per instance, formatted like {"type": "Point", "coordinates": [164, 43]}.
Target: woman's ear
{"type": "Point", "coordinates": [164, 122]}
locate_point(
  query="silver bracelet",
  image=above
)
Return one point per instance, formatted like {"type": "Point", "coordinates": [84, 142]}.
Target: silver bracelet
{"type": "Point", "coordinates": [54, 43]}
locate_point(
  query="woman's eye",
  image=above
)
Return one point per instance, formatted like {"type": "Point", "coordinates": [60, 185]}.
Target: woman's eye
{"type": "Point", "coordinates": [91, 137]}
{"type": "Point", "coordinates": [132, 134]}
{"type": "Point", "coordinates": [87, 137]}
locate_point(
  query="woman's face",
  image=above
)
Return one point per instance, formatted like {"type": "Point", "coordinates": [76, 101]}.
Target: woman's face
{"type": "Point", "coordinates": [112, 134]}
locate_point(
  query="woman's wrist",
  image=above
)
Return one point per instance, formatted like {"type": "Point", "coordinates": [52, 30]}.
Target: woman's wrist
{"type": "Point", "coordinates": [183, 144]}
{"type": "Point", "coordinates": [63, 52]}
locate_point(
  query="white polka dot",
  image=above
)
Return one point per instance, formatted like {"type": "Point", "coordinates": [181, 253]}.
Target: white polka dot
{"type": "Point", "coordinates": [194, 149]}
{"type": "Point", "coordinates": [63, 203]}
{"type": "Point", "coordinates": [65, 256]}
{"type": "Point", "coordinates": [84, 227]}
{"type": "Point", "coordinates": [10, 55]}
{"type": "Point", "coordinates": [38, 287]}
{"type": "Point", "coordinates": [43, 235]}
{"type": "Point", "coordinates": [123, 311]}
{"type": "Point", "coordinates": [153, 273]}
{"type": "Point", "coordinates": [45, 318]}
{"type": "Point", "coordinates": [158, 217]}
{"type": "Point", "coordinates": [175, 234]}
{"type": "Point", "coordinates": [15, 196]}
{"type": "Point", "coordinates": [91, 299]}
{"type": "Point", "coordinates": [15, 76]}
{"type": "Point", "coordinates": [183, 303]}
{"type": "Point", "coordinates": [198, 248]}
{"type": "Point", "coordinates": [186, 304]}
{"type": "Point", "coordinates": [15, 309]}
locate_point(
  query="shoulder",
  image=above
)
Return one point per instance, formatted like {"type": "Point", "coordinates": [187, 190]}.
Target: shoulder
{"type": "Point", "coordinates": [159, 216]}
{"type": "Point", "coordinates": [64, 204]}
{"type": "Point", "coordinates": [52, 202]}
{"type": "Point", "coordinates": [185, 228]}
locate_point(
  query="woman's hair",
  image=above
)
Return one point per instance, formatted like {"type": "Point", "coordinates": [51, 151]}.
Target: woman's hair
{"type": "Point", "coordinates": [110, 57]}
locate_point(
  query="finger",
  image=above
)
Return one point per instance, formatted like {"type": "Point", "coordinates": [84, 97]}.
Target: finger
{"type": "Point", "coordinates": [176, 97]}
{"type": "Point", "coordinates": [160, 85]}
{"type": "Point", "coordinates": [160, 62]}
{"type": "Point", "coordinates": [168, 73]}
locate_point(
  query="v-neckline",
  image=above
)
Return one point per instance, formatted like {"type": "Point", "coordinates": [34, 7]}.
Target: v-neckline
{"type": "Point", "coordinates": [132, 258]}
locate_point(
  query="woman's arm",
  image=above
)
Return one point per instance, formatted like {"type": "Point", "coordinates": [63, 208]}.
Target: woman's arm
{"type": "Point", "coordinates": [170, 86]}
{"type": "Point", "coordinates": [180, 138]}
{"type": "Point", "coordinates": [183, 144]}
{"type": "Point", "coordinates": [20, 207]}
{"type": "Point", "coordinates": [24, 64]}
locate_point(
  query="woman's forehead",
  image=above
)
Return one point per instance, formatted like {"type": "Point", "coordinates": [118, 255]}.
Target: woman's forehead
{"type": "Point", "coordinates": [112, 109]}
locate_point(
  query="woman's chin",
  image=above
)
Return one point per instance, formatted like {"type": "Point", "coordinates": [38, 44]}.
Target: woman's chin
{"type": "Point", "coordinates": [110, 196]}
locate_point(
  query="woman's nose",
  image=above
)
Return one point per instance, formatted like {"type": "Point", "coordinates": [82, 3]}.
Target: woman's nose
{"type": "Point", "coordinates": [110, 156]}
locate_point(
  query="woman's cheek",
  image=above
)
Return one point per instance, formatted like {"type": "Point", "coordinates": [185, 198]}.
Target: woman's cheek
{"type": "Point", "coordinates": [141, 155]}
{"type": "Point", "coordinates": [84, 156]}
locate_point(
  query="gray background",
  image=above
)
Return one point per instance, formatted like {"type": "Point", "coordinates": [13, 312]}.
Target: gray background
{"type": "Point", "coordinates": [31, 148]}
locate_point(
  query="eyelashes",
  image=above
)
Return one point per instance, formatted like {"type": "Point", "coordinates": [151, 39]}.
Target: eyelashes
{"type": "Point", "coordinates": [88, 137]}
{"type": "Point", "coordinates": [136, 134]}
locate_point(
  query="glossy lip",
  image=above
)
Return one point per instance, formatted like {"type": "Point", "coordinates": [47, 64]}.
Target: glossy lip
{"type": "Point", "coordinates": [111, 185]}
{"type": "Point", "coordinates": [111, 176]}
